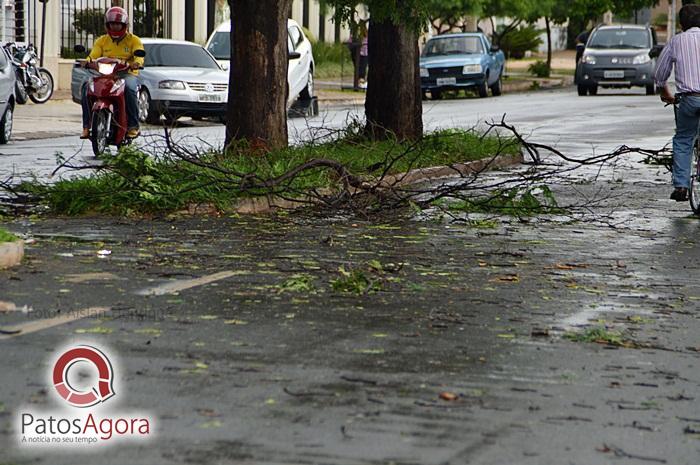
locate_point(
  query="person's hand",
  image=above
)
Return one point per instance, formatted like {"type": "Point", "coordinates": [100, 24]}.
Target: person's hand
{"type": "Point", "coordinates": [134, 65]}
{"type": "Point", "coordinates": [667, 96]}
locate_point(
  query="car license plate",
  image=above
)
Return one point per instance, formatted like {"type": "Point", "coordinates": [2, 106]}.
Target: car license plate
{"type": "Point", "coordinates": [211, 98]}
{"type": "Point", "coordinates": [450, 81]}
{"type": "Point", "coordinates": [613, 74]}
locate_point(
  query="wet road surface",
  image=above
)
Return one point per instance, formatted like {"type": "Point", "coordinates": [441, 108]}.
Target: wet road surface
{"type": "Point", "coordinates": [233, 333]}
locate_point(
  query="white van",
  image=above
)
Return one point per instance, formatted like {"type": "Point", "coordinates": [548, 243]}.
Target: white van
{"type": "Point", "coordinates": [300, 75]}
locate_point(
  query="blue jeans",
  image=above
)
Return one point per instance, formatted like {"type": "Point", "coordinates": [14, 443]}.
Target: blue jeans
{"type": "Point", "coordinates": [132, 103]}
{"type": "Point", "coordinates": [687, 118]}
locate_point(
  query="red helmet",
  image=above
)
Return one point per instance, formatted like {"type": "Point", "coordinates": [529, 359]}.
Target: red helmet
{"type": "Point", "coordinates": [116, 15]}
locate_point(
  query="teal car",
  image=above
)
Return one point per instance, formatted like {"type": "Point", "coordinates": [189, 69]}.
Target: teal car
{"type": "Point", "coordinates": [464, 61]}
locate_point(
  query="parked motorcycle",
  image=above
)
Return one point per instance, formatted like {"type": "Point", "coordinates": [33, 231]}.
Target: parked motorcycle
{"type": "Point", "coordinates": [107, 97]}
{"type": "Point", "coordinates": [33, 81]}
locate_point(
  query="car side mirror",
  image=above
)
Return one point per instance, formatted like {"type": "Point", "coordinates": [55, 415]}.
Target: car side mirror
{"type": "Point", "coordinates": [224, 67]}
{"type": "Point", "coordinates": [79, 48]}
{"type": "Point", "coordinates": [656, 51]}
{"type": "Point", "coordinates": [495, 48]}
{"type": "Point", "coordinates": [294, 55]}
{"type": "Point", "coordinates": [140, 53]}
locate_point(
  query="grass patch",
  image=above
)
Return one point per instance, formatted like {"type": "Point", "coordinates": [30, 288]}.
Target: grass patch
{"type": "Point", "coordinates": [132, 182]}
{"type": "Point", "coordinates": [6, 236]}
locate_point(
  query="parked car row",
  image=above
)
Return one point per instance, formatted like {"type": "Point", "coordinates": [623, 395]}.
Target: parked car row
{"type": "Point", "coordinates": [185, 79]}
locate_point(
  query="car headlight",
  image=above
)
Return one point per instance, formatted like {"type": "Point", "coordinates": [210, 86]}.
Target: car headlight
{"type": "Point", "coordinates": [588, 59]}
{"type": "Point", "coordinates": [641, 59]}
{"type": "Point", "coordinates": [424, 72]}
{"type": "Point", "coordinates": [471, 69]}
{"type": "Point", "coordinates": [176, 85]}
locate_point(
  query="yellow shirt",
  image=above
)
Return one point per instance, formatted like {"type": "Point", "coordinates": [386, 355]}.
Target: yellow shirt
{"type": "Point", "coordinates": [123, 49]}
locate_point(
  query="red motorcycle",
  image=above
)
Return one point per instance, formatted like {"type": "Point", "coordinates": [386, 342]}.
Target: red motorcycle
{"type": "Point", "coordinates": [107, 99]}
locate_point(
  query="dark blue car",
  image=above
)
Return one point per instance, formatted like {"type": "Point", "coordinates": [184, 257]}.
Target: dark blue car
{"type": "Point", "coordinates": [461, 61]}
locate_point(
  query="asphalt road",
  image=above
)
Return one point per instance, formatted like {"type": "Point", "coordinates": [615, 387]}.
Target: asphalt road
{"type": "Point", "coordinates": [459, 357]}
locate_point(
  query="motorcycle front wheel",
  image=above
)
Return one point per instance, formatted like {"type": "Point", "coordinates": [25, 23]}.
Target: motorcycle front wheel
{"type": "Point", "coordinates": [44, 93]}
{"type": "Point", "coordinates": [20, 93]}
{"type": "Point", "coordinates": [100, 132]}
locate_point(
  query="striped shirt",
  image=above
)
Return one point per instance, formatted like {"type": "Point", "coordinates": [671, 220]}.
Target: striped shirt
{"type": "Point", "coordinates": [683, 50]}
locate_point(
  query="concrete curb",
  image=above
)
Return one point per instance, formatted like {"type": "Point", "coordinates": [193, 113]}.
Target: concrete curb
{"type": "Point", "coordinates": [11, 253]}
{"type": "Point", "coordinates": [270, 203]}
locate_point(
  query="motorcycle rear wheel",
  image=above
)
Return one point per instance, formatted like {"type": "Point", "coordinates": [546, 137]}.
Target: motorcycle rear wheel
{"type": "Point", "coordinates": [100, 132]}
{"type": "Point", "coordinates": [43, 94]}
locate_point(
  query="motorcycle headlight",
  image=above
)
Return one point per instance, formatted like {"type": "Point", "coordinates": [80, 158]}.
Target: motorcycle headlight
{"type": "Point", "coordinates": [588, 59]}
{"type": "Point", "coordinates": [424, 72]}
{"type": "Point", "coordinates": [117, 86]}
{"type": "Point", "coordinates": [471, 69]}
{"type": "Point", "coordinates": [641, 59]}
{"type": "Point", "coordinates": [176, 85]}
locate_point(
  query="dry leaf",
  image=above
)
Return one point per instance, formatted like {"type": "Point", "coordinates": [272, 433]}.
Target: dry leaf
{"type": "Point", "coordinates": [448, 396]}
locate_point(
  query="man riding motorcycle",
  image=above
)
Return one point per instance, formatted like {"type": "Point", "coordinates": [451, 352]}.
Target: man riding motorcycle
{"type": "Point", "coordinates": [119, 43]}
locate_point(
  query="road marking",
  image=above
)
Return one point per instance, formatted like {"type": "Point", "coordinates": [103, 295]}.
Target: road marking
{"type": "Point", "coordinates": [174, 287]}
{"type": "Point", "coordinates": [39, 325]}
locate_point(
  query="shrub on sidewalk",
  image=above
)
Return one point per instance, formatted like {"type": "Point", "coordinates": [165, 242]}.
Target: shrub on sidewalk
{"type": "Point", "coordinates": [539, 69]}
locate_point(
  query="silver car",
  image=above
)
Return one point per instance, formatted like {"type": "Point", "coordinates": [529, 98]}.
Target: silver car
{"type": "Point", "coordinates": [7, 96]}
{"type": "Point", "coordinates": [179, 79]}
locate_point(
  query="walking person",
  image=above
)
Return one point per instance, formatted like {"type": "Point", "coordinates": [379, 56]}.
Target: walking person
{"type": "Point", "coordinates": [682, 53]}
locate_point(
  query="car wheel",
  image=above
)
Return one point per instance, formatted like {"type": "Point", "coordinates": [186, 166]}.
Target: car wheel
{"type": "Point", "coordinates": [651, 89]}
{"type": "Point", "coordinates": [582, 90]}
{"type": "Point", "coordinates": [497, 88]}
{"type": "Point", "coordinates": [144, 105]}
{"type": "Point", "coordinates": [308, 92]}
{"type": "Point", "coordinates": [483, 89]}
{"type": "Point", "coordinates": [6, 125]}
{"type": "Point", "coordinates": [435, 94]}
{"type": "Point", "coordinates": [593, 90]}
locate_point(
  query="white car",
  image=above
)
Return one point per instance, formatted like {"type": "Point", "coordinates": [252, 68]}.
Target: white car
{"type": "Point", "coordinates": [300, 75]}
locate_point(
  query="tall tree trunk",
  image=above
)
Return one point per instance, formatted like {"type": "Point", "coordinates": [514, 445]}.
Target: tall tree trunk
{"type": "Point", "coordinates": [549, 44]}
{"type": "Point", "coordinates": [393, 106]}
{"type": "Point", "coordinates": [257, 96]}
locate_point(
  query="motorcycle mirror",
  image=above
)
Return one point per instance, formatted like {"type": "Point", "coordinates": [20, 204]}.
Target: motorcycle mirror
{"type": "Point", "coordinates": [79, 48]}
{"type": "Point", "coordinates": [140, 53]}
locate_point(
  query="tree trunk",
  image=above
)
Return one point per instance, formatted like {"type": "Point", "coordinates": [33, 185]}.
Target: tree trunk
{"type": "Point", "coordinates": [549, 44]}
{"type": "Point", "coordinates": [257, 96]}
{"type": "Point", "coordinates": [393, 106]}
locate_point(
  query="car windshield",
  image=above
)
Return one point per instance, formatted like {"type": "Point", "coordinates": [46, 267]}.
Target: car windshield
{"type": "Point", "coordinates": [453, 46]}
{"type": "Point", "coordinates": [220, 46]}
{"type": "Point", "coordinates": [178, 55]}
{"type": "Point", "coordinates": [620, 38]}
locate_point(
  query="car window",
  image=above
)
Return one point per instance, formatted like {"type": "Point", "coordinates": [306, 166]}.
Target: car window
{"type": "Point", "coordinates": [3, 59]}
{"type": "Point", "coordinates": [220, 45]}
{"type": "Point", "coordinates": [296, 36]}
{"type": "Point", "coordinates": [620, 38]}
{"type": "Point", "coordinates": [178, 55]}
{"type": "Point", "coordinates": [453, 46]}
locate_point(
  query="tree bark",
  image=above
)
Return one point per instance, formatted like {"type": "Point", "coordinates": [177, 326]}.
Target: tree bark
{"type": "Point", "coordinates": [549, 43]}
{"type": "Point", "coordinates": [257, 96]}
{"type": "Point", "coordinates": [393, 106]}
